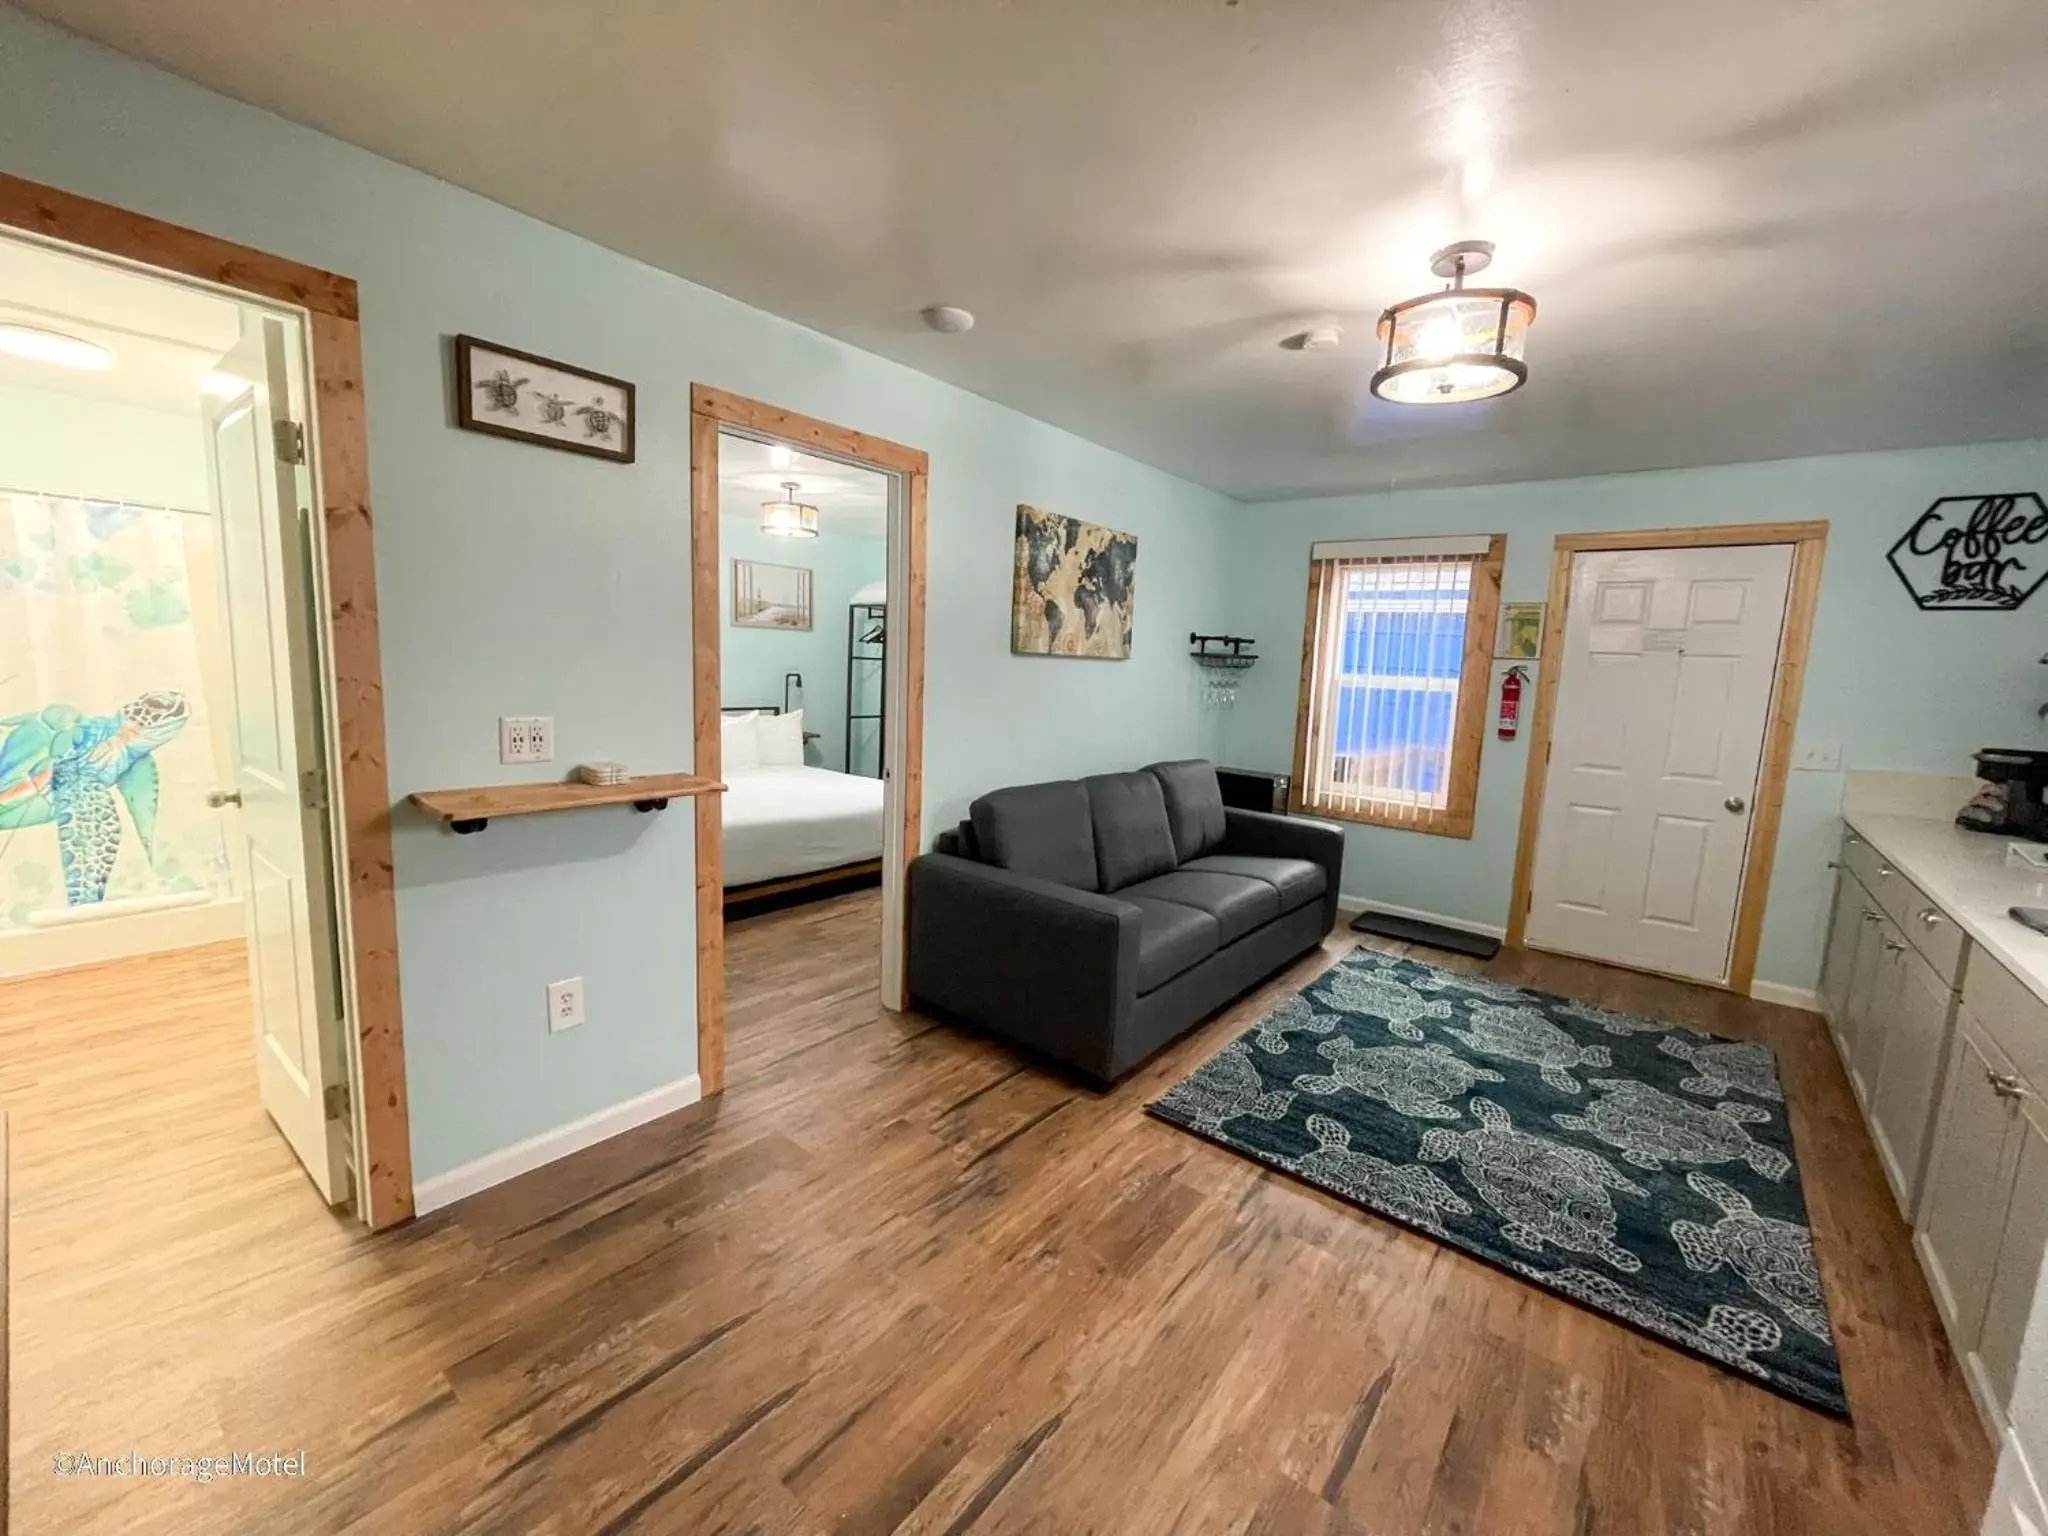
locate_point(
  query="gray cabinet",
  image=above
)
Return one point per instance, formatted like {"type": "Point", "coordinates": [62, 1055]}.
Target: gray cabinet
{"type": "Point", "coordinates": [1962, 1209]}
{"type": "Point", "coordinates": [1914, 1016]}
{"type": "Point", "coordinates": [1869, 998]}
{"type": "Point", "coordinates": [1838, 963]}
{"type": "Point", "coordinates": [2018, 1270]}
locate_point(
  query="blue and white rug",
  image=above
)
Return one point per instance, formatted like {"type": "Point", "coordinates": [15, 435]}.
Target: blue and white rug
{"type": "Point", "coordinates": [1640, 1168]}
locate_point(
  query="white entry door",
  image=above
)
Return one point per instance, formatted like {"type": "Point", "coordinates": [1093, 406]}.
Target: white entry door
{"type": "Point", "coordinates": [278, 789]}
{"type": "Point", "coordinates": [1669, 661]}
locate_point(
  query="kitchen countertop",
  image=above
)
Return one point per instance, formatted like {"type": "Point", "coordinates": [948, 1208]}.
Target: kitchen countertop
{"type": "Point", "coordinates": [1967, 876]}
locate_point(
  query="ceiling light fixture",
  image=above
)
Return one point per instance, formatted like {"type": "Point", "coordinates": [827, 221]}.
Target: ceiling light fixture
{"type": "Point", "coordinates": [41, 346]}
{"type": "Point", "coordinates": [780, 457]}
{"type": "Point", "coordinates": [1458, 345]}
{"type": "Point", "coordinates": [789, 518]}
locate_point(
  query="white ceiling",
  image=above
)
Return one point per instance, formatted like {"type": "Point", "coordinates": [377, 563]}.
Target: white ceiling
{"type": "Point", "coordinates": [163, 336]}
{"type": "Point", "coordinates": [1754, 228]}
{"type": "Point", "coordinates": [849, 499]}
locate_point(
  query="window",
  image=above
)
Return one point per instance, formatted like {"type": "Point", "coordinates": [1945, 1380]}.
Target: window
{"type": "Point", "coordinates": [1394, 672]}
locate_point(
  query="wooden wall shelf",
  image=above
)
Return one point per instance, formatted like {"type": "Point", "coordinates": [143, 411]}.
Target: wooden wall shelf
{"type": "Point", "coordinates": [471, 810]}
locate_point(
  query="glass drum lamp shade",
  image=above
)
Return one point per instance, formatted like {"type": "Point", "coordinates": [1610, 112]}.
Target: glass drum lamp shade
{"type": "Point", "coordinates": [789, 518]}
{"type": "Point", "coordinates": [1458, 345]}
{"type": "Point", "coordinates": [1452, 347]}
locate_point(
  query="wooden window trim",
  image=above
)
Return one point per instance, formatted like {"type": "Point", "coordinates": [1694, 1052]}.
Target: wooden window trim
{"type": "Point", "coordinates": [1468, 734]}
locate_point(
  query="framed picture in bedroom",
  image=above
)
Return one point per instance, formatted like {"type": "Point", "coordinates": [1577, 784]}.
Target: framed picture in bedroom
{"type": "Point", "coordinates": [509, 393]}
{"type": "Point", "coordinates": [1075, 588]}
{"type": "Point", "coordinates": [768, 596]}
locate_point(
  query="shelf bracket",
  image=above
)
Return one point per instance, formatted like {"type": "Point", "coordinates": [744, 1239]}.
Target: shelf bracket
{"type": "Point", "coordinates": [650, 805]}
{"type": "Point", "coordinates": [462, 826]}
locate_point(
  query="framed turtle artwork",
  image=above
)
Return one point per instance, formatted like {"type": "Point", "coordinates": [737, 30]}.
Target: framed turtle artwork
{"type": "Point", "coordinates": [509, 393]}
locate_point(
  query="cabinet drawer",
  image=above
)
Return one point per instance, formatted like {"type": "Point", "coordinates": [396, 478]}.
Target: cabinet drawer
{"type": "Point", "coordinates": [1925, 926]}
{"type": "Point", "coordinates": [2011, 1015]}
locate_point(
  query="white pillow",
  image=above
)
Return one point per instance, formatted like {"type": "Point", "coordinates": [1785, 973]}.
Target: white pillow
{"type": "Point", "coordinates": [781, 740]}
{"type": "Point", "coordinates": [738, 742]}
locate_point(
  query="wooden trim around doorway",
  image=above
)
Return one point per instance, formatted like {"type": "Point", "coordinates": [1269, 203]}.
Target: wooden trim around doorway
{"type": "Point", "coordinates": [710, 410]}
{"type": "Point", "coordinates": [1809, 541]}
{"type": "Point", "coordinates": [342, 444]}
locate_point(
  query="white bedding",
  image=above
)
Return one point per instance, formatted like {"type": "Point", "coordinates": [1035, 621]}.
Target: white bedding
{"type": "Point", "coordinates": [791, 821]}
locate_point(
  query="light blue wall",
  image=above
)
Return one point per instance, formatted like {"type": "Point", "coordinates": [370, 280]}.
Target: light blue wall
{"type": "Point", "coordinates": [755, 660]}
{"type": "Point", "coordinates": [1892, 686]}
{"type": "Point", "coordinates": [513, 579]}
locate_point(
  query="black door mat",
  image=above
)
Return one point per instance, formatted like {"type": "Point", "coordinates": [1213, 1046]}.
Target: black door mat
{"type": "Point", "coordinates": [1457, 940]}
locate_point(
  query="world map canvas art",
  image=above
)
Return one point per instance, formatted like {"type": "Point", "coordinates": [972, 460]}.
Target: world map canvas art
{"type": "Point", "coordinates": [1075, 588]}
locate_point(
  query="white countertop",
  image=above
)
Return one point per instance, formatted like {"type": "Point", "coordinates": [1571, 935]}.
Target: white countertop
{"type": "Point", "coordinates": [1967, 876]}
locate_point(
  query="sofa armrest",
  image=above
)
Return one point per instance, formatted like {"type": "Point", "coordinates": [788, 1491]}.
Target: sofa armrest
{"type": "Point", "coordinates": [1261, 835]}
{"type": "Point", "coordinates": [1049, 966]}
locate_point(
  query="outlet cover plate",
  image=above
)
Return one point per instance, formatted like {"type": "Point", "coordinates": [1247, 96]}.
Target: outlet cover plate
{"type": "Point", "coordinates": [565, 1004]}
{"type": "Point", "coordinates": [540, 738]}
{"type": "Point", "coordinates": [1820, 757]}
{"type": "Point", "coordinates": [526, 739]}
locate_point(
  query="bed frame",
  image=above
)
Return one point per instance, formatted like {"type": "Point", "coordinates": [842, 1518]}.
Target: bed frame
{"type": "Point", "coordinates": [814, 884]}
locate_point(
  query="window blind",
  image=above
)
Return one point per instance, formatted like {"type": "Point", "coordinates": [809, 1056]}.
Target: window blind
{"type": "Point", "coordinates": [1384, 679]}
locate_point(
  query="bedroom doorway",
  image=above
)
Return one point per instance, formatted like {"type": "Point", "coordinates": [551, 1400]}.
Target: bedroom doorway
{"type": "Point", "coordinates": [808, 604]}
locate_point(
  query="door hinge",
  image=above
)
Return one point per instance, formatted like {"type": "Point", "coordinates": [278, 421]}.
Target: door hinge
{"type": "Point", "coordinates": [313, 790]}
{"type": "Point", "coordinates": [335, 1101]}
{"type": "Point", "coordinates": [291, 442]}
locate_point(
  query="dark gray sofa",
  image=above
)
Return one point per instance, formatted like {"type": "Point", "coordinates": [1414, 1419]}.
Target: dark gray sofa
{"type": "Point", "coordinates": [1094, 920]}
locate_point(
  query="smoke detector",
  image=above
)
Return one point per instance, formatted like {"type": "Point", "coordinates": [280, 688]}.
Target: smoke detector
{"type": "Point", "coordinates": [1317, 338]}
{"type": "Point", "coordinates": [949, 319]}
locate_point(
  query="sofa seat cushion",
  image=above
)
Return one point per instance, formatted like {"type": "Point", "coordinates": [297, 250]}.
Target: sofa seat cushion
{"type": "Point", "coordinates": [1171, 939]}
{"type": "Point", "coordinates": [1239, 903]}
{"type": "Point", "coordinates": [1298, 881]}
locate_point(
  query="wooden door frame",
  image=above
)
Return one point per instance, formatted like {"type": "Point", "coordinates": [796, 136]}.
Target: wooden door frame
{"type": "Point", "coordinates": [1802, 598]}
{"type": "Point", "coordinates": [342, 468]}
{"type": "Point", "coordinates": [710, 410]}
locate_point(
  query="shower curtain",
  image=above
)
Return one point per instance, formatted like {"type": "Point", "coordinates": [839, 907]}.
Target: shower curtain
{"type": "Point", "coordinates": [106, 728]}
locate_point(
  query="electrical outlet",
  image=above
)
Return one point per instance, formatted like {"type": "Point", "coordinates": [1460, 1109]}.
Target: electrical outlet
{"type": "Point", "coordinates": [526, 739]}
{"type": "Point", "coordinates": [565, 1004]}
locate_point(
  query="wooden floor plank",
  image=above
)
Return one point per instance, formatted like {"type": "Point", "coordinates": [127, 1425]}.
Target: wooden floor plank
{"type": "Point", "coordinates": [897, 1279]}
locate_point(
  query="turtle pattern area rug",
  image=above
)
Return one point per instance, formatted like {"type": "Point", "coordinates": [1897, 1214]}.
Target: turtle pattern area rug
{"type": "Point", "coordinates": [1636, 1167]}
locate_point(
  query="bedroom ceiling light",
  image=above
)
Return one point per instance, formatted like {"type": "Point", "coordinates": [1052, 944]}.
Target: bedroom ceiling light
{"type": "Point", "coordinates": [789, 518]}
{"type": "Point", "coordinates": [41, 346]}
{"type": "Point", "coordinates": [1458, 345]}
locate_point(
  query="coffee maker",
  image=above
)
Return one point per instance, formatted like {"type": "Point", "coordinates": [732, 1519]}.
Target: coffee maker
{"type": "Point", "coordinates": [2018, 805]}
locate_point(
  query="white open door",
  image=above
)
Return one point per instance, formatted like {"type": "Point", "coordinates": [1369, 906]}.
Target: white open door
{"type": "Point", "coordinates": [261, 494]}
{"type": "Point", "coordinates": [1669, 660]}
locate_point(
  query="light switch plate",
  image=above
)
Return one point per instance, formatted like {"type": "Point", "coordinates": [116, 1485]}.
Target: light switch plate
{"type": "Point", "coordinates": [1820, 757]}
{"type": "Point", "coordinates": [565, 1004]}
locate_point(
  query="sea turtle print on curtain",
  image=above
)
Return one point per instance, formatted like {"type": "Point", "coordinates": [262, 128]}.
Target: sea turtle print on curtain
{"type": "Point", "coordinates": [1640, 1168]}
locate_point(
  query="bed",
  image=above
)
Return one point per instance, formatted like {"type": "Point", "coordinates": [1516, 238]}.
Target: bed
{"type": "Point", "coordinates": [788, 826]}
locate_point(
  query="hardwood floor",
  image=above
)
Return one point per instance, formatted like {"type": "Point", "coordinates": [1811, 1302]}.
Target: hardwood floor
{"type": "Point", "coordinates": [894, 1280]}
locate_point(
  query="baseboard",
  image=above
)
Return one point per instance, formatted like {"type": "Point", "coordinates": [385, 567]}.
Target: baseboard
{"type": "Point", "coordinates": [1790, 997]}
{"type": "Point", "coordinates": [1351, 906]}
{"type": "Point", "coordinates": [538, 1151]}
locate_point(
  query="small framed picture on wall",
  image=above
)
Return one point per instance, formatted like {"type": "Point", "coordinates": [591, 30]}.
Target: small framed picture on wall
{"type": "Point", "coordinates": [1521, 631]}
{"type": "Point", "coordinates": [509, 393]}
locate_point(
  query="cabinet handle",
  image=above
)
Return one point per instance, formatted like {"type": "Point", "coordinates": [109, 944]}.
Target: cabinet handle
{"type": "Point", "coordinates": [2007, 1085]}
{"type": "Point", "coordinates": [1893, 945]}
{"type": "Point", "coordinates": [1869, 916]}
{"type": "Point", "coordinates": [1854, 841]}
{"type": "Point", "coordinates": [1884, 871]}
{"type": "Point", "coordinates": [1931, 918]}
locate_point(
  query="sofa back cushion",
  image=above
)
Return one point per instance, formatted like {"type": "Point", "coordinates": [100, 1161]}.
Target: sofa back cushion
{"type": "Point", "coordinates": [1194, 806]}
{"type": "Point", "coordinates": [1043, 830]}
{"type": "Point", "coordinates": [1133, 839]}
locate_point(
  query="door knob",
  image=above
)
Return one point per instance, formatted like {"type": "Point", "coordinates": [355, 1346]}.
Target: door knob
{"type": "Point", "coordinates": [221, 798]}
{"type": "Point", "coordinates": [1736, 803]}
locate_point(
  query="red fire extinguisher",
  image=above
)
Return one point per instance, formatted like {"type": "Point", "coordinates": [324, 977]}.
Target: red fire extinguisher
{"type": "Point", "coordinates": [1511, 702]}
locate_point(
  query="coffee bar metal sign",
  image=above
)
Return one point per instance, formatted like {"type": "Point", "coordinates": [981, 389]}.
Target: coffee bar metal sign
{"type": "Point", "coordinates": [1975, 552]}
